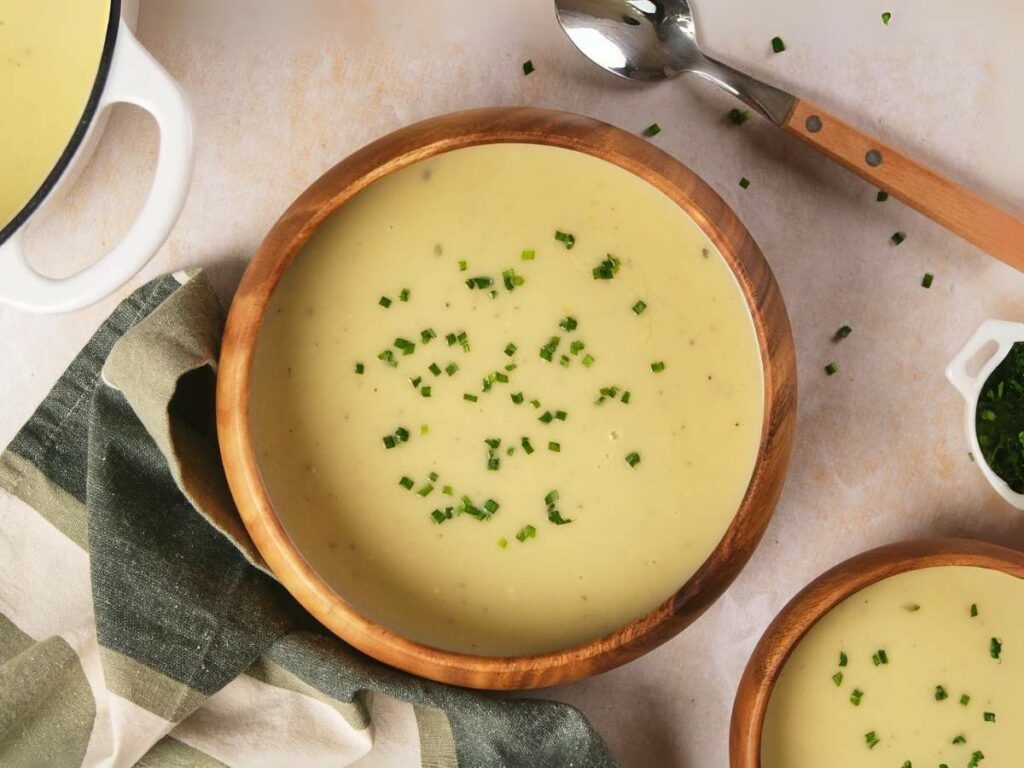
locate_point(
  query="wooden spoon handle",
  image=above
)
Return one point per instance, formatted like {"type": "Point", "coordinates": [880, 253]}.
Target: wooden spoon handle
{"type": "Point", "coordinates": [957, 209]}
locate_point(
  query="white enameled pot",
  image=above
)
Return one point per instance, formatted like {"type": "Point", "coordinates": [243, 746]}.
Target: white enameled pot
{"type": "Point", "coordinates": [1000, 336]}
{"type": "Point", "coordinates": [127, 74]}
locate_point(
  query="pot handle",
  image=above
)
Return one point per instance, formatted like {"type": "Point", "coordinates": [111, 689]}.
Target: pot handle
{"type": "Point", "coordinates": [136, 78]}
{"type": "Point", "coordinates": [1001, 332]}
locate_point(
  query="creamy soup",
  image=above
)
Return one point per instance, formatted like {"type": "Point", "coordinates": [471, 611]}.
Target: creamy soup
{"type": "Point", "coordinates": [923, 669]}
{"type": "Point", "coordinates": [49, 56]}
{"type": "Point", "coordinates": [508, 399]}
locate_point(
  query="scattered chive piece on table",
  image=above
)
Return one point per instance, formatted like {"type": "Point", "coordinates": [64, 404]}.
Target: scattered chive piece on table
{"type": "Point", "coordinates": [926, 281]}
{"type": "Point", "coordinates": [633, 459]}
{"type": "Point", "coordinates": [989, 717]}
{"type": "Point", "coordinates": [831, 369]}
{"type": "Point", "coordinates": [526, 532]}
{"type": "Point", "coordinates": [940, 693]}
{"type": "Point", "coordinates": [881, 197]}
{"type": "Point", "coordinates": [568, 323]}
{"type": "Point", "coordinates": [856, 696]}
{"type": "Point", "coordinates": [744, 182]}
{"type": "Point", "coordinates": [871, 739]}
{"type": "Point", "coordinates": [471, 398]}
{"type": "Point", "coordinates": [554, 447]}
{"type": "Point", "coordinates": [961, 739]}
{"type": "Point", "coordinates": [404, 295]}
{"type": "Point", "coordinates": [658, 367]}
{"type": "Point", "coordinates": [886, 16]}
{"type": "Point", "coordinates": [843, 660]}
{"type": "Point", "coordinates": [837, 678]}
{"type": "Point", "coordinates": [528, 255]}
{"type": "Point", "coordinates": [843, 332]}
{"type": "Point", "coordinates": [566, 239]}
{"type": "Point", "coordinates": [777, 45]}
{"type": "Point", "coordinates": [384, 302]}
{"type": "Point", "coordinates": [360, 368]}
{"type": "Point", "coordinates": [974, 610]}
{"type": "Point", "coordinates": [897, 238]}
{"type": "Point", "coordinates": [406, 482]}
{"type": "Point", "coordinates": [652, 130]}
{"type": "Point", "coordinates": [965, 700]}
{"type": "Point", "coordinates": [639, 307]}
{"type": "Point", "coordinates": [738, 116]}
{"type": "Point", "coordinates": [528, 66]}
{"type": "Point", "coordinates": [995, 648]}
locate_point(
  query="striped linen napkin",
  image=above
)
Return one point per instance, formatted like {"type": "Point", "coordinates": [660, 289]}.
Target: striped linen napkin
{"type": "Point", "coordinates": [138, 623]}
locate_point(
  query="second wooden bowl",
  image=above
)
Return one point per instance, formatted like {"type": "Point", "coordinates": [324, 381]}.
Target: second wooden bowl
{"type": "Point", "coordinates": [424, 140]}
{"type": "Point", "coordinates": [822, 595]}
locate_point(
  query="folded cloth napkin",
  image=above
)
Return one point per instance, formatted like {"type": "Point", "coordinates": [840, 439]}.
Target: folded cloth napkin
{"type": "Point", "coordinates": [138, 623]}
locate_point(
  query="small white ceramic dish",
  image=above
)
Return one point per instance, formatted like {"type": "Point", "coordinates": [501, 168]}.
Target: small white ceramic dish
{"type": "Point", "coordinates": [127, 74]}
{"type": "Point", "coordinates": [998, 336]}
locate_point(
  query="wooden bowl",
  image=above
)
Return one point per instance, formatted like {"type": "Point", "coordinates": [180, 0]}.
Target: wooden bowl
{"type": "Point", "coordinates": [822, 595]}
{"type": "Point", "coordinates": [424, 140]}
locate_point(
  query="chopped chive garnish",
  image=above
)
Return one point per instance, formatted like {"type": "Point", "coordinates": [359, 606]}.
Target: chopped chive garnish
{"type": "Point", "coordinates": [880, 657]}
{"type": "Point", "coordinates": [425, 392]}
{"type": "Point", "coordinates": [440, 516]}
{"type": "Point", "coordinates": [989, 717]}
{"type": "Point", "coordinates": [843, 660]}
{"type": "Point", "coordinates": [897, 238]}
{"type": "Point", "coordinates": [555, 516]}
{"type": "Point", "coordinates": [388, 357]}
{"type": "Point", "coordinates": [961, 739]}
{"type": "Point", "coordinates": [389, 441]}
{"type": "Point", "coordinates": [426, 490]}
{"type": "Point", "coordinates": [527, 445]}
{"type": "Point", "coordinates": [548, 350]}
{"type": "Point", "coordinates": [976, 757]}
{"type": "Point", "coordinates": [526, 532]}
{"type": "Point", "coordinates": [535, 403]}
{"type": "Point", "coordinates": [777, 45]}
{"type": "Point", "coordinates": [738, 116]}
{"type": "Point", "coordinates": [433, 477]}
{"type": "Point", "coordinates": [871, 739]}
{"type": "Point", "coordinates": [564, 361]}
{"type": "Point", "coordinates": [463, 340]}
{"type": "Point", "coordinates": [588, 360]}
{"type": "Point", "coordinates": [652, 130]}
{"type": "Point", "coordinates": [403, 295]}
{"type": "Point", "coordinates": [384, 302]}
{"type": "Point", "coordinates": [528, 255]}
{"type": "Point", "coordinates": [501, 377]}
{"type": "Point", "coordinates": [561, 415]}
{"type": "Point", "coordinates": [503, 542]}
{"type": "Point", "coordinates": [493, 463]}
{"type": "Point", "coordinates": [837, 678]}
{"type": "Point", "coordinates": [402, 434]}
{"type": "Point", "coordinates": [639, 307]}
{"type": "Point", "coordinates": [831, 369]}
{"type": "Point", "coordinates": [625, 397]}
{"type": "Point", "coordinates": [633, 459]}
{"type": "Point", "coordinates": [607, 269]}
{"type": "Point", "coordinates": [528, 66]}
{"type": "Point", "coordinates": [744, 182]}
{"type": "Point", "coordinates": [569, 323]}
{"type": "Point", "coordinates": [448, 491]}
{"type": "Point", "coordinates": [424, 429]}
{"type": "Point", "coordinates": [974, 610]}
{"type": "Point", "coordinates": [435, 369]}
{"type": "Point", "coordinates": [491, 506]}
{"type": "Point", "coordinates": [416, 381]}
{"type": "Point", "coordinates": [881, 197]}
{"type": "Point", "coordinates": [940, 693]}
{"type": "Point", "coordinates": [360, 368]}
{"type": "Point", "coordinates": [451, 338]}
{"type": "Point", "coordinates": [856, 696]}
{"type": "Point", "coordinates": [843, 332]}
{"type": "Point", "coordinates": [427, 334]}
{"type": "Point", "coordinates": [995, 647]}
{"type": "Point", "coordinates": [926, 281]}
{"type": "Point", "coordinates": [471, 398]}
{"type": "Point", "coordinates": [964, 700]}
{"type": "Point", "coordinates": [405, 345]}
{"type": "Point", "coordinates": [511, 349]}
{"type": "Point", "coordinates": [451, 368]}
{"type": "Point", "coordinates": [567, 239]}
{"type": "Point", "coordinates": [886, 16]}
{"type": "Point", "coordinates": [658, 367]}
{"type": "Point", "coordinates": [406, 482]}
{"type": "Point", "coordinates": [546, 417]}
{"type": "Point", "coordinates": [906, 764]}
{"type": "Point", "coordinates": [554, 447]}
{"type": "Point", "coordinates": [511, 279]}
{"type": "Point", "coordinates": [480, 282]}
{"type": "Point", "coordinates": [511, 367]}
{"type": "Point", "coordinates": [463, 266]}
{"type": "Point", "coordinates": [517, 398]}
{"type": "Point", "coordinates": [576, 347]}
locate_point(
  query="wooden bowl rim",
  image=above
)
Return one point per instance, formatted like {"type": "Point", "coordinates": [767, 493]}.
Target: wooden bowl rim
{"type": "Point", "coordinates": [405, 147]}
{"type": "Point", "coordinates": [823, 594]}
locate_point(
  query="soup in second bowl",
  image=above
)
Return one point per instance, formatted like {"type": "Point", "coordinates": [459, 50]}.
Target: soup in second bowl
{"type": "Point", "coordinates": [507, 400]}
{"type": "Point", "coordinates": [920, 670]}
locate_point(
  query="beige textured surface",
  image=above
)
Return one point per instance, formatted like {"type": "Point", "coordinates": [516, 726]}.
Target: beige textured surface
{"type": "Point", "coordinates": [282, 90]}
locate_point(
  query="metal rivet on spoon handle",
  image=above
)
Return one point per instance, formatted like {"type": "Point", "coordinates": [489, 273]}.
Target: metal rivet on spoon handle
{"type": "Point", "coordinates": [657, 39]}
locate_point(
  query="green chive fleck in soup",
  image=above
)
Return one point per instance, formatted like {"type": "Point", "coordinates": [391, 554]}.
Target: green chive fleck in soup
{"type": "Point", "coordinates": [507, 400]}
{"type": "Point", "coordinates": [919, 670]}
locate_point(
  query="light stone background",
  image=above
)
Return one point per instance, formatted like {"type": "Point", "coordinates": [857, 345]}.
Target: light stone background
{"type": "Point", "coordinates": [283, 90]}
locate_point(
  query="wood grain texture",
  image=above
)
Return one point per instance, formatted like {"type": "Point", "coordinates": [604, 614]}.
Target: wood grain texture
{"type": "Point", "coordinates": [423, 140]}
{"type": "Point", "coordinates": [821, 596]}
{"type": "Point", "coordinates": [957, 209]}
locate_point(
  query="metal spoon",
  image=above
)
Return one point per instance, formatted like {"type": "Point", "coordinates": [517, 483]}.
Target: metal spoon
{"type": "Point", "coordinates": [657, 40]}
